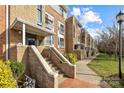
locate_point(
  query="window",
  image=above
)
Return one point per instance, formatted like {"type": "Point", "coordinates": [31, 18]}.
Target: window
{"type": "Point", "coordinates": [61, 42]}
{"type": "Point", "coordinates": [49, 40]}
{"type": "Point", "coordinates": [49, 21]}
{"type": "Point", "coordinates": [61, 28]}
{"type": "Point", "coordinates": [39, 13]}
{"type": "Point", "coordinates": [61, 11]}
{"type": "Point", "coordinates": [60, 35]}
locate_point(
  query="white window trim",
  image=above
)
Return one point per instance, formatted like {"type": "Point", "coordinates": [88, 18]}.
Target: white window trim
{"type": "Point", "coordinates": [61, 11]}
{"type": "Point", "coordinates": [58, 27]}
{"type": "Point", "coordinates": [38, 23]}
{"type": "Point", "coordinates": [51, 44]}
{"type": "Point", "coordinates": [52, 19]}
{"type": "Point", "coordinates": [59, 41]}
{"type": "Point", "coordinates": [60, 35]}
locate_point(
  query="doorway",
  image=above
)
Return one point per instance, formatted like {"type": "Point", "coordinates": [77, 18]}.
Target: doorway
{"type": "Point", "coordinates": [31, 39]}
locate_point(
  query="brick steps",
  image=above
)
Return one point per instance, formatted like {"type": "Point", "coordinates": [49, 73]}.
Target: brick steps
{"type": "Point", "coordinates": [61, 76]}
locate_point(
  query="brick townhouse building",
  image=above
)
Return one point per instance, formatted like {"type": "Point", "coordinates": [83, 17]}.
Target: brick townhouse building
{"type": "Point", "coordinates": [89, 43]}
{"type": "Point", "coordinates": [49, 33]}
{"type": "Point", "coordinates": [24, 26]}
{"type": "Point", "coordinates": [43, 28]}
{"type": "Point", "coordinates": [78, 40]}
{"type": "Point", "coordinates": [73, 36]}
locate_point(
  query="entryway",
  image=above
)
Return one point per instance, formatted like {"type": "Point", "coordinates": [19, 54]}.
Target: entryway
{"type": "Point", "coordinates": [31, 39]}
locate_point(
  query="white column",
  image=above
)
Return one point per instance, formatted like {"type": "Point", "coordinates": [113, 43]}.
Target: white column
{"type": "Point", "coordinates": [23, 34]}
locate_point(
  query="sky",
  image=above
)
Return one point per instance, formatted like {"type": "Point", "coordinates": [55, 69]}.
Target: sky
{"type": "Point", "coordinates": [95, 18]}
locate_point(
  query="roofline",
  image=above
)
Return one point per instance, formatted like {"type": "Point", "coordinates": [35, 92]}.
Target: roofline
{"type": "Point", "coordinates": [75, 19]}
{"type": "Point", "coordinates": [65, 7]}
{"type": "Point", "coordinates": [78, 21]}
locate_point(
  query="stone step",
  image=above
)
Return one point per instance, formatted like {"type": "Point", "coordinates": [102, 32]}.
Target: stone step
{"type": "Point", "coordinates": [55, 69]}
{"type": "Point", "coordinates": [47, 59]}
{"type": "Point", "coordinates": [60, 77]}
{"type": "Point", "coordinates": [51, 65]}
{"type": "Point", "coordinates": [48, 62]}
{"type": "Point", "coordinates": [61, 80]}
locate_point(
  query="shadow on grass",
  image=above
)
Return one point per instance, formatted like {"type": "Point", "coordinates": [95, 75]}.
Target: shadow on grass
{"type": "Point", "coordinates": [114, 81]}
{"type": "Point", "coordinates": [105, 57]}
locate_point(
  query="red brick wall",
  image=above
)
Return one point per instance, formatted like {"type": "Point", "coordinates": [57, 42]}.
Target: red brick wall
{"type": "Point", "coordinates": [57, 17]}
{"type": "Point", "coordinates": [69, 34]}
{"type": "Point", "coordinates": [2, 31]}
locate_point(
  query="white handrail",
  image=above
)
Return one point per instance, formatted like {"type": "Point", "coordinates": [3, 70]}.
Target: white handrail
{"type": "Point", "coordinates": [62, 56]}
{"type": "Point", "coordinates": [42, 60]}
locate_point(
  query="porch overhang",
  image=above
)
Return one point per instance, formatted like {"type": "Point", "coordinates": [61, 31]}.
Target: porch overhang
{"type": "Point", "coordinates": [30, 27]}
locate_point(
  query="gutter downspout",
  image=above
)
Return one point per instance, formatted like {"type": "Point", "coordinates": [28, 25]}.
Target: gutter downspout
{"type": "Point", "coordinates": [7, 31]}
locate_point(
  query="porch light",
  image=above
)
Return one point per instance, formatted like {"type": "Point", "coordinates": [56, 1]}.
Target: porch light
{"type": "Point", "coordinates": [20, 32]}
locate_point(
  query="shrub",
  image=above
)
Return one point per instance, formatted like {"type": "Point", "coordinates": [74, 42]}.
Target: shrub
{"type": "Point", "coordinates": [6, 77]}
{"type": "Point", "coordinates": [72, 57]}
{"type": "Point", "coordinates": [18, 69]}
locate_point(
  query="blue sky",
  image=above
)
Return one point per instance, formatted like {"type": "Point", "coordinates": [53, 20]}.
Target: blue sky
{"type": "Point", "coordinates": [95, 17]}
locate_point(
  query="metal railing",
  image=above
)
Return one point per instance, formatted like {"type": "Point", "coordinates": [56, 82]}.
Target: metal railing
{"type": "Point", "coordinates": [29, 82]}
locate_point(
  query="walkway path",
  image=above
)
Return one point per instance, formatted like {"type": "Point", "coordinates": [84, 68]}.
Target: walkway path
{"type": "Point", "coordinates": [83, 72]}
{"type": "Point", "coordinates": [85, 77]}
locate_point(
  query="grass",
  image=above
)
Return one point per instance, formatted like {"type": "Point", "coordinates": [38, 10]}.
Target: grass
{"type": "Point", "coordinates": [107, 67]}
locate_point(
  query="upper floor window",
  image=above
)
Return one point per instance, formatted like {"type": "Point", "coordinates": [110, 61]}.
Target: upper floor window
{"type": "Point", "coordinates": [39, 14]}
{"type": "Point", "coordinates": [61, 11]}
{"type": "Point", "coordinates": [49, 21]}
{"type": "Point", "coordinates": [60, 35]}
{"type": "Point", "coordinates": [61, 28]}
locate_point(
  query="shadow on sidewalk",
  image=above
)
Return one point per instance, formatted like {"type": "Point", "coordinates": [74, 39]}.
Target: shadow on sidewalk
{"type": "Point", "coordinates": [87, 74]}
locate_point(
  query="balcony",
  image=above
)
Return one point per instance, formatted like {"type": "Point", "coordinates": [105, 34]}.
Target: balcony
{"type": "Point", "coordinates": [49, 23]}
{"type": "Point", "coordinates": [49, 26]}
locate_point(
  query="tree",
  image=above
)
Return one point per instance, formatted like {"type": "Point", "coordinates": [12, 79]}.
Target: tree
{"type": "Point", "coordinates": [109, 40]}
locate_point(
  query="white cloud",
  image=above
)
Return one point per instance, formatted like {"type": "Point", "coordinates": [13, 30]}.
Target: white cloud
{"type": "Point", "coordinates": [76, 11]}
{"type": "Point", "coordinates": [94, 32]}
{"type": "Point", "coordinates": [88, 16]}
{"type": "Point", "coordinates": [85, 9]}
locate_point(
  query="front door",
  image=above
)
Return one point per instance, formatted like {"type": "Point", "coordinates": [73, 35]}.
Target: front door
{"type": "Point", "coordinates": [30, 39]}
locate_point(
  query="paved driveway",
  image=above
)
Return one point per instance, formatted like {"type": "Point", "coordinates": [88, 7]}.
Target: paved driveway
{"type": "Point", "coordinates": [83, 72]}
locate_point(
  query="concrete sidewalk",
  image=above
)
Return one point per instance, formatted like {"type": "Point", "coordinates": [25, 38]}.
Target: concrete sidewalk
{"type": "Point", "coordinates": [85, 77]}
{"type": "Point", "coordinates": [83, 72]}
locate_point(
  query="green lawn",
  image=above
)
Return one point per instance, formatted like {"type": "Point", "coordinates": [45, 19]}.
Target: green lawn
{"type": "Point", "coordinates": [105, 66]}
